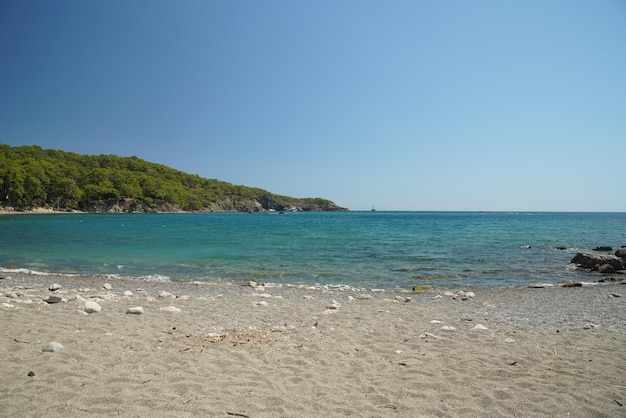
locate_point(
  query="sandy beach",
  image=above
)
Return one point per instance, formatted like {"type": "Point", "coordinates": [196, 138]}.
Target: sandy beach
{"type": "Point", "coordinates": [224, 350]}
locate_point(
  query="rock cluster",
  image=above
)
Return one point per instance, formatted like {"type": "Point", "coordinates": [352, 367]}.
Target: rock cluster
{"type": "Point", "coordinates": [601, 263]}
{"type": "Point", "coordinates": [55, 294]}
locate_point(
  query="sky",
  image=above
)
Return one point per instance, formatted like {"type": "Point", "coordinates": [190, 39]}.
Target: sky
{"type": "Point", "coordinates": [403, 105]}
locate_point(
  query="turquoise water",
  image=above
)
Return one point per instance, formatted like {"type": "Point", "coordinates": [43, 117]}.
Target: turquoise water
{"type": "Point", "coordinates": [360, 249]}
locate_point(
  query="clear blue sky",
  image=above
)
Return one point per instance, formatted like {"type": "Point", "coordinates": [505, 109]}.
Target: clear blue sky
{"type": "Point", "coordinates": [406, 105]}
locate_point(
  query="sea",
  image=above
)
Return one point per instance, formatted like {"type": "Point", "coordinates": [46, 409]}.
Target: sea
{"type": "Point", "coordinates": [359, 250]}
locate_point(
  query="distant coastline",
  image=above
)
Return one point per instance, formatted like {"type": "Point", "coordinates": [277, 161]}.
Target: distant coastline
{"type": "Point", "coordinates": [112, 209]}
{"type": "Point", "coordinates": [42, 181]}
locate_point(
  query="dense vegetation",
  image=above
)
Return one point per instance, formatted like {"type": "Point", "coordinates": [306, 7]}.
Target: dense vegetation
{"type": "Point", "coordinates": [32, 177]}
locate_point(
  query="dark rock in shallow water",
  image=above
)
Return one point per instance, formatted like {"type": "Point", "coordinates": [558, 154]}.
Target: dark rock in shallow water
{"type": "Point", "coordinates": [570, 283]}
{"type": "Point", "coordinates": [560, 248]}
{"type": "Point", "coordinates": [621, 252]}
{"type": "Point", "coordinates": [592, 261]}
{"type": "Point", "coordinates": [606, 269]}
{"type": "Point", "coordinates": [603, 248]}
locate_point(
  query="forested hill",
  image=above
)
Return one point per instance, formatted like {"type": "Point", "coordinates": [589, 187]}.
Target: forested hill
{"type": "Point", "coordinates": [31, 177]}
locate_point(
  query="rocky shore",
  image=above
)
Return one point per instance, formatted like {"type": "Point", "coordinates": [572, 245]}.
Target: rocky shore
{"type": "Point", "coordinates": [603, 263]}
{"type": "Point", "coordinates": [226, 205]}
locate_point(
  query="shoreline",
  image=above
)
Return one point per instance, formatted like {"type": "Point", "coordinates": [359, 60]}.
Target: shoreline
{"type": "Point", "coordinates": [593, 279]}
{"type": "Point", "coordinates": [545, 305]}
{"type": "Point", "coordinates": [222, 349]}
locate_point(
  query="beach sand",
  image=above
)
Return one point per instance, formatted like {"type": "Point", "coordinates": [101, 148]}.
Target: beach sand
{"type": "Point", "coordinates": [235, 350]}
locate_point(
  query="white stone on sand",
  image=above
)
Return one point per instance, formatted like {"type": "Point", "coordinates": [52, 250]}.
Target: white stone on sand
{"type": "Point", "coordinates": [91, 307]}
{"type": "Point", "coordinates": [136, 310]}
{"type": "Point", "coordinates": [52, 347]}
{"type": "Point", "coordinates": [172, 309]}
{"type": "Point", "coordinates": [334, 305]}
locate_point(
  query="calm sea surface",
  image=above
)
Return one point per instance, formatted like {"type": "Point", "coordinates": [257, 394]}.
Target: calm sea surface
{"type": "Point", "coordinates": [358, 249]}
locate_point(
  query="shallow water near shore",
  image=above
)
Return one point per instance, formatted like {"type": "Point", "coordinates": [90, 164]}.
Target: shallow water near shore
{"type": "Point", "coordinates": [357, 249]}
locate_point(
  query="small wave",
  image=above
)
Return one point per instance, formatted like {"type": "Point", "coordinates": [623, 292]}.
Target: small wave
{"type": "Point", "coordinates": [330, 287]}
{"type": "Point", "coordinates": [341, 287]}
{"type": "Point", "coordinates": [35, 272]}
{"type": "Point", "coordinates": [318, 286]}
{"type": "Point", "coordinates": [154, 278]}
{"type": "Point", "coordinates": [110, 276]}
{"type": "Point", "coordinates": [14, 270]}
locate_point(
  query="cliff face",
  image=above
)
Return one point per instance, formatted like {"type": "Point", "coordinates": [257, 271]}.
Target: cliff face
{"type": "Point", "coordinates": [225, 205]}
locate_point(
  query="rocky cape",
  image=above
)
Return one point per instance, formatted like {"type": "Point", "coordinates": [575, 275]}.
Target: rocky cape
{"type": "Point", "coordinates": [129, 205]}
{"type": "Point", "coordinates": [33, 179]}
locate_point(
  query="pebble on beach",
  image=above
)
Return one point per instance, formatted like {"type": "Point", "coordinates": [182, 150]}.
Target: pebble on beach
{"type": "Point", "coordinates": [402, 299]}
{"type": "Point", "coordinates": [460, 294]}
{"type": "Point", "coordinates": [53, 347]}
{"type": "Point", "coordinates": [334, 305]}
{"type": "Point", "coordinates": [172, 309]}
{"type": "Point", "coordinates": [54, 287]}
{"type": "Point", "coordinates": [569, 283]}
{"type": "Point", "coordinates": [54, 299]}
{"type": "Point", "coordinates": [137, 310]}
{"type": "Point", "coordinates": [91, 307]}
